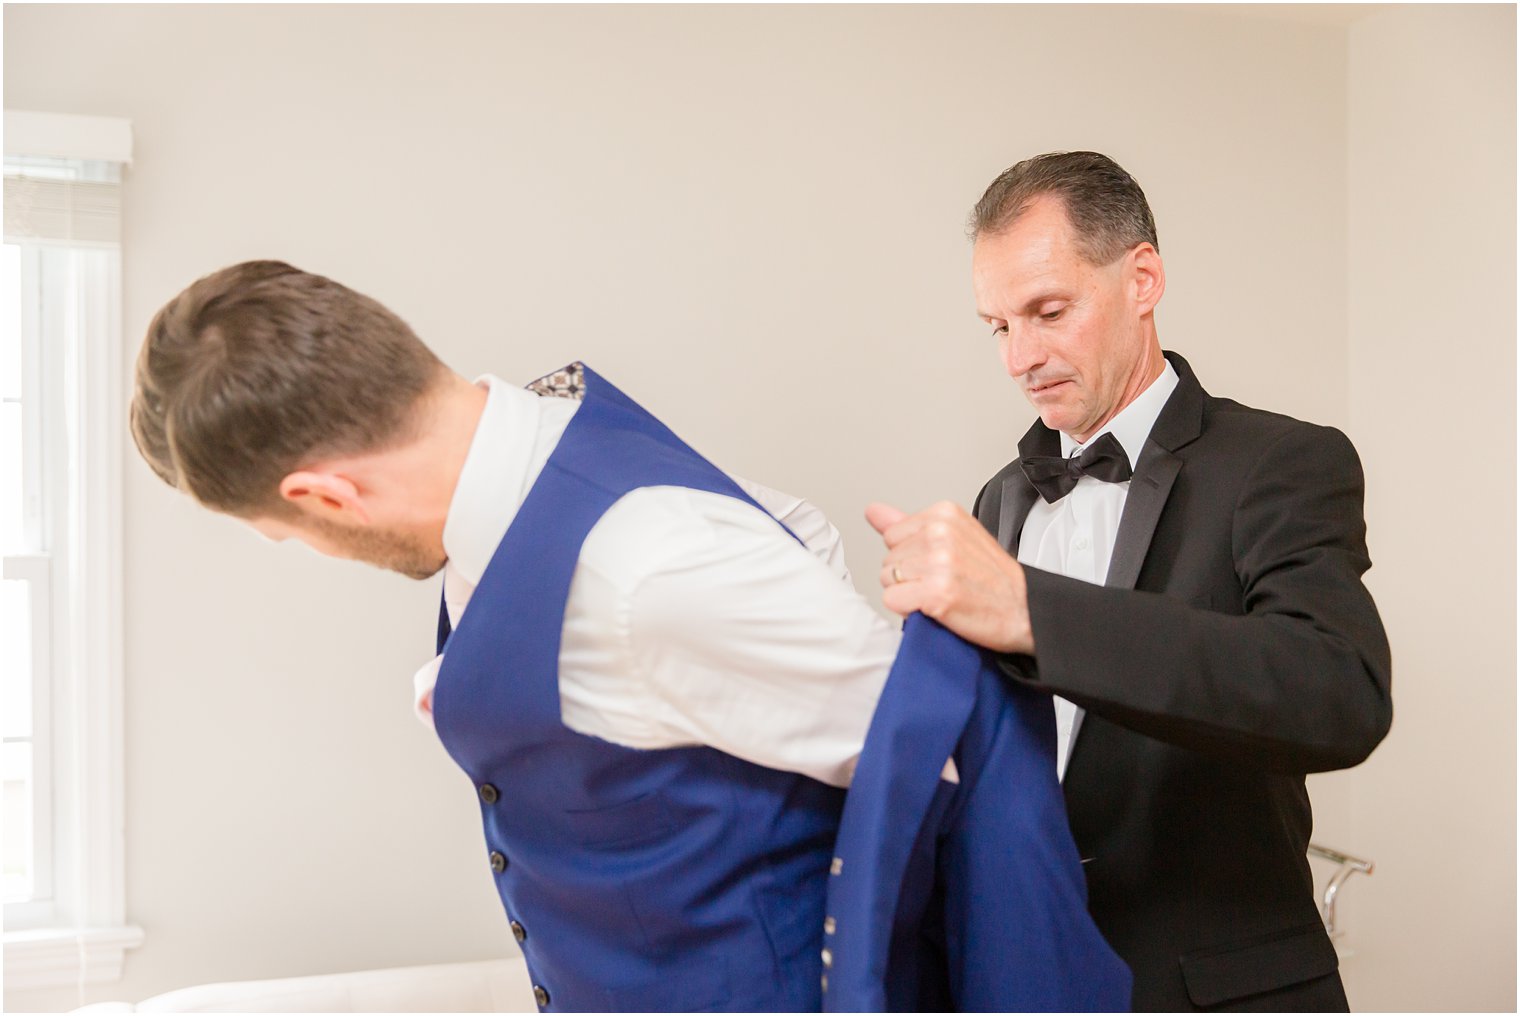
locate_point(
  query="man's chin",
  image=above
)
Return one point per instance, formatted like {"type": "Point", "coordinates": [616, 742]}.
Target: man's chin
{"type": "Point", "coordinates": [420, 572]}
{"type": "Point", "coordinates": [1055, 419]}
{"type": "Point", "coordinates": [412, 567]}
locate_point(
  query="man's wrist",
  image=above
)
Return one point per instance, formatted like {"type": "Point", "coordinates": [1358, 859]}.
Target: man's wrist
{"type": "Point", "coordinates": [1020, 634]}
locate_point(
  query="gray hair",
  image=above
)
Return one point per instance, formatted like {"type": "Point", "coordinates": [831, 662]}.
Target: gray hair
{"type": "Point", "coordinates": [1104, 204]}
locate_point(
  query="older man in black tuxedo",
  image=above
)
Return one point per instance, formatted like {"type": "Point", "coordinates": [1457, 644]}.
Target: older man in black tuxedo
{"type": "Point", "coordinates": [1184, 574]}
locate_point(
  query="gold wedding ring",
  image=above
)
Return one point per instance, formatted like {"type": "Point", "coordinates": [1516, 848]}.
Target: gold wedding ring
{"type": "Point", "coordinates": [896, 575]}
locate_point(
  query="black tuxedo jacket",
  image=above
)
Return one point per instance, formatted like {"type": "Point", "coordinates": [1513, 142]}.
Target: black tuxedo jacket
{"type": "Point", "coordinates": [1232, 650]}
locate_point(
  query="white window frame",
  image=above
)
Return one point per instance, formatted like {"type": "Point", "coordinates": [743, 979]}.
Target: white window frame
{"type": "Point", "coordinates": [81, 935]}
{"type": "Point", "coordinates": [39, 387]}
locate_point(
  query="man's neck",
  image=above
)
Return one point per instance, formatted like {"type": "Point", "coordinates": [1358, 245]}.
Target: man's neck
{"type": "Point", "coordinates": [1132, 424]}
{"type": "Point", "coordinates": [1150, 366]}
{"type": "Point", "coordinates": [429, 468]}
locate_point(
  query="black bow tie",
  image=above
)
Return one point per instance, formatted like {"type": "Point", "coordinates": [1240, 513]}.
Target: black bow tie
{"type": "Point", "coordinates": [1054, 477]}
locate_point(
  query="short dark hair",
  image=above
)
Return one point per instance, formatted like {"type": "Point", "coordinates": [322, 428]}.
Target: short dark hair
{"type": "Point", "coordinates": [261, 368]}
{"type": "Point", "coordinates": [1104, 204]}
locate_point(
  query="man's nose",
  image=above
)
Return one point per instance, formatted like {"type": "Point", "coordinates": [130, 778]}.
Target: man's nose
{"type": "Point", "coordinates": [1022, 352]}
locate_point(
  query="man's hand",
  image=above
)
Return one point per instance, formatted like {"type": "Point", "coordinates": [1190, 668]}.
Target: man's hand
{"type": "Point", "coordinates": [943, 563]}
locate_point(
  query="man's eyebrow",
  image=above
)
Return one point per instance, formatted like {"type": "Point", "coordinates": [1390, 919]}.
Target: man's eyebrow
{"type": "Point", "coordinates": [1032, 305]}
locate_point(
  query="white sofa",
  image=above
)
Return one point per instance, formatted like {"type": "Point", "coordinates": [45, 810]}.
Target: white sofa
{"type": "Point", "coordinates": [487, 986]}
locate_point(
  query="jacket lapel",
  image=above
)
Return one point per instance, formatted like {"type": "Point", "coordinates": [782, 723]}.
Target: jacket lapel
{"type": "Point", "coordinates": [1180, 422]}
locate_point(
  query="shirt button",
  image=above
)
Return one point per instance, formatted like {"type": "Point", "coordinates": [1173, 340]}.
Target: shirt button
{"type": "Point", "coordinates": [520, 933]}
{"type": "Point", "coordinates": [828, 959]}
{"type": "Point", "coordinates": [488, 793]}
{"type": "Point", "coordinates": [540, 996]}
{"type": "Point", "coordinates": [1080, 543]}
{"type": "Point", "coordinates": [498, 861]}
{"type": "Point", "coordinates": [828, 926]}
{"type": "Point", "coordinates": [836, 866]}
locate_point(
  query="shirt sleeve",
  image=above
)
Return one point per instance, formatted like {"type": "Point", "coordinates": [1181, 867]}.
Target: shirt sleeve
{"type": "Point", "coordinates": [695, 619]}
{"type": "Point", "coordinates": [805, 521]}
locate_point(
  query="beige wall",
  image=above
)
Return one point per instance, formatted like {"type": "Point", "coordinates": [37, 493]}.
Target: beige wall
{"type": "Point", "coordinates": [1432, 352]}
{"type": "Point", "coordinates": [751, 219]}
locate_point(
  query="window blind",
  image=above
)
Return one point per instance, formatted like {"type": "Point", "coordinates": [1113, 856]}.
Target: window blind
{"type": "Point", "coordinates": [76, 212]}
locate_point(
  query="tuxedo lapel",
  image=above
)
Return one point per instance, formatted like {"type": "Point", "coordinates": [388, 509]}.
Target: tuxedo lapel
{"type": "Point", "coordinates": [1180, 422]}
{"type": "Point", "coordinates": [1148, 491]}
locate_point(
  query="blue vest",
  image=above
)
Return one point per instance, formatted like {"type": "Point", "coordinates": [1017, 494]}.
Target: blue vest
{"type": "Point", "coordinates": [678, 879]}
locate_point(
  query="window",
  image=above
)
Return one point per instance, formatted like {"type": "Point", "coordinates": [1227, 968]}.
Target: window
{"type": "Point", "coordinates": [61, 440]}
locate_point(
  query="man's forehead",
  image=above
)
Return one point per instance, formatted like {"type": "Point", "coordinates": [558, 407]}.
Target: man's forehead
{"type": "Point", "coordinates": [1037, 251]}
{"type": "Point", "coordinates": [1005, 271]}
{"type": "Point", "coordinates": [1017, 254]}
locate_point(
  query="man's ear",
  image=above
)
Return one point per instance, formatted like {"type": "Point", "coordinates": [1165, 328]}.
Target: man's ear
{"type": "Point", "coordinates": [1147, 277]}
{"type": "Point", "coordinates": [331, 496]}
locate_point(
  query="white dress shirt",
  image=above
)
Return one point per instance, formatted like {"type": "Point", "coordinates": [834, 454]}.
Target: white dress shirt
{"type": "Point", "coordinates": [692, 618]}
{"type": "Point", "coordinates": [1075, 535]}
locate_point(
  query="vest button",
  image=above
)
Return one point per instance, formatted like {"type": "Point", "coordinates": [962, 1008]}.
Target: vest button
{"type": "Point", "coordinates": [520, 933]}
{"type": "Point", "coordinates": [540, 996]}
{"type": "Point", "coordinates": [488, 793]}
{"type": "Point", "coordinates": [498, 861]}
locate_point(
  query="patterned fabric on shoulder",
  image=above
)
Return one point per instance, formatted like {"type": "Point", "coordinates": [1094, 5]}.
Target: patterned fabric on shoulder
{"type": "Point", "coordinates": [566, 383]}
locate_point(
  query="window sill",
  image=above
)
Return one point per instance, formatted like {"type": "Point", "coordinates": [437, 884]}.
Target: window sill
{"type": "Point", "coordinates": [49, 957]}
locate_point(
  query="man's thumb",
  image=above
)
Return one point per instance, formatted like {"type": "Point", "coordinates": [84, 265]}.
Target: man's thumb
{"type": "Point", "coordinates": [883, 516]}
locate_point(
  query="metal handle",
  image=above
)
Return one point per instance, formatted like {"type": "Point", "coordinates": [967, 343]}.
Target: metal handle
{"type": "Point", "coordinates": [1348, 866]}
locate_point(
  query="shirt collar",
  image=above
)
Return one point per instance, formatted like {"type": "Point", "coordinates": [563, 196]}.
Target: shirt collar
{"type": "Point", "coordinates": [1132, 425]}
{"type": "Point", "coordinates": [505, 457]}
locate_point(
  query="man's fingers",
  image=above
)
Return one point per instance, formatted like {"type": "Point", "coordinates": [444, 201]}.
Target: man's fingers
{"type": "Point", "coordinates": [892, 573]}
{"type": "Point", "coordinates": [899, 599]}
{"type": "Point", "coordinates": [883, 516]}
